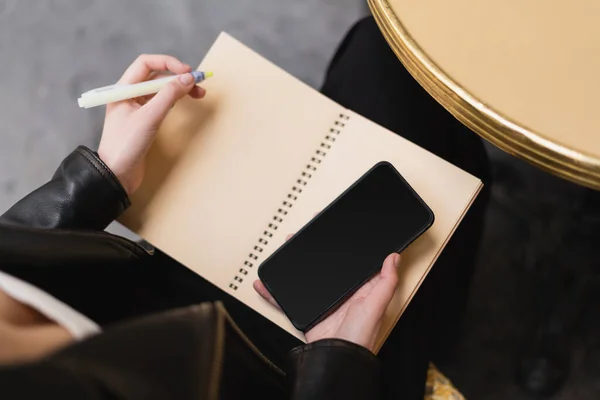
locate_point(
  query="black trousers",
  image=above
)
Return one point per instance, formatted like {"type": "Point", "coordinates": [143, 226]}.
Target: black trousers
{"type": "Point", "coordinates": [366, 77]}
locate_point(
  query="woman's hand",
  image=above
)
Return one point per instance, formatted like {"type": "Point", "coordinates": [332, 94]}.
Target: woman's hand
{"type": "Point", "coordinates": [131, 125]}
{"type": "Point", "coordinates": [359, 318]}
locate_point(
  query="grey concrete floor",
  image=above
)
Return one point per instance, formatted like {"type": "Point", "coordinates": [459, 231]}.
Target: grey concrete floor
{"type": "Point", "coordinates": [53, 50]}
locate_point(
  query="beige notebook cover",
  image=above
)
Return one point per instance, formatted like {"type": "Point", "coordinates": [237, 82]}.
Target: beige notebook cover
{"type": "Point", "coordinates": [231, 175]}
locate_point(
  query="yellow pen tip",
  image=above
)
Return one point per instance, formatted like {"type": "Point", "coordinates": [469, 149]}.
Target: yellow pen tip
{"type": "Point", "coordinates": [208, 74]}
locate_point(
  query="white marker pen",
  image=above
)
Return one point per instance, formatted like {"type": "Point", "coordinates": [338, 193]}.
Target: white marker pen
{"type": "Point", "coordinates": [114, 93]}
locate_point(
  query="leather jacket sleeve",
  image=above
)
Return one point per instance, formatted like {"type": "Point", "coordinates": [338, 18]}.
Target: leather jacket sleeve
{"type": "Point", "coordinates": [334, 369]}
{"type": "Point", "coordinates": [82, 194]}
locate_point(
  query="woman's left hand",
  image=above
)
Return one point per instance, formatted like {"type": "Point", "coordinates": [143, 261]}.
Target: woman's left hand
{"type": "Point", "coordinates": [131, 125]}
{"type": "Point", "coordinates": [359, 318]}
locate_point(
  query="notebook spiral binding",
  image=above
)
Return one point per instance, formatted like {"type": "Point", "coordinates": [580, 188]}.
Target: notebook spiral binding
{"type": "Point", "coordinates": [291, 197]}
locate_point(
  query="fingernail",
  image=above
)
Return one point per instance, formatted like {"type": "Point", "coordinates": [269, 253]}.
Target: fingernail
{"type": "Point", "coordinates": [202, 92]}
{"type": "Point", "coordinates": [186, 79]}
{"type": "Point", "coordinates": [397, 260]}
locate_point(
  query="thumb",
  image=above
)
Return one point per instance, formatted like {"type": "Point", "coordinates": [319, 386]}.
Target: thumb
{"type": "Point", "coordinates": [383, 291]}
{"type": "Point", "coordinates": [157, 108]}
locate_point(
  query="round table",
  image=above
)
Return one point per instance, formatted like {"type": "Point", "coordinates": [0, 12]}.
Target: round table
{"type": "Point", "coordinates": [523, 75]}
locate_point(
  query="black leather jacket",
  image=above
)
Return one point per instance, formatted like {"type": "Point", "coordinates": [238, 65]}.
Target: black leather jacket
{"type": "Point", "coordinates": [192, 353]}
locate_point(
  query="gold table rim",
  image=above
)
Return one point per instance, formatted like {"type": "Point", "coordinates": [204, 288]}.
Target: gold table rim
{"type": "Point", "coordinates": [490, 124]}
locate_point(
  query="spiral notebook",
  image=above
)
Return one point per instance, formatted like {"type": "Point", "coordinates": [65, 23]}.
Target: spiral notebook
{"type": "Point", "coordinates": [231, 175]}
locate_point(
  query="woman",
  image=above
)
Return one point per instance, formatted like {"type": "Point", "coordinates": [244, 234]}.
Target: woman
{"type": "Point", "coordinates": [84, 314]}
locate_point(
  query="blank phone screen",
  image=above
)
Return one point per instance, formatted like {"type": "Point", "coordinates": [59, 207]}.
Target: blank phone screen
{"type": "Point", "coordinates": [345, 245]}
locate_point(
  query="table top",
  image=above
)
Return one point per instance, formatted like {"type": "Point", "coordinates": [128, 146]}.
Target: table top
{"type": "Point", "coordinates": [523, 75]}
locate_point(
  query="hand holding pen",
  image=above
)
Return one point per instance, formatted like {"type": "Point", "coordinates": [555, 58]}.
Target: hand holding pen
{"type": "Point", "coordinates": [131, 124]}
{"type": "Point", "coordinates": [124, 91]}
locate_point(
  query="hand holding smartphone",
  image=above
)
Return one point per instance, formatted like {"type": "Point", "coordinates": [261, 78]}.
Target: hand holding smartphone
{"type": "Point", "coordinates": [344, 246]}
{"type": "Point", "coordinates": [358, 319]}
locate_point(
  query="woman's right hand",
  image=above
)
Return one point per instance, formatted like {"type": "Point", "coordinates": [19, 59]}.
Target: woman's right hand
{"type": "Point", "coordinates": [131, 125]}
{"type": "Point", "coordinates": [357, 320]}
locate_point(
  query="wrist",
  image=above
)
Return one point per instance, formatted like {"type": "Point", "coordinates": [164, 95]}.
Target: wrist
{"type": "Point", "coordinates": [356, 334]}
{"type": "Point", "coordinates": [115, 172]}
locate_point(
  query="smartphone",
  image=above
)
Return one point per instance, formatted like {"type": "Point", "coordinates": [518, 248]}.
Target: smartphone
{"type": "Point", "coordinates": [345, 245]}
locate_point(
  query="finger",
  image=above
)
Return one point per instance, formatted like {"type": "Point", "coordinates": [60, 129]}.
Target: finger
{"type": "Point", "coordinates": [157, 108]}
{"type": "Point", "coordinates": [197, 92]}
{"type": "Point", "coordinates": [194, 93]}
{"type": "Point", "coordinates": [384, 288]}
{"type": "Point", "coordinates": [144, 99]}
{"type": "Point", "coordinates": [393, 267]}
{"type": "Point", "coordinates": [157, 75]}
{"type": "Point", "coordinates": [145, 64]}
{"type": "Point", "coordinates": [264, 293]}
